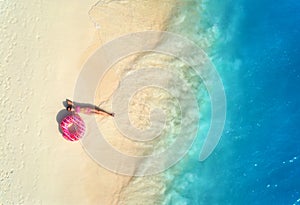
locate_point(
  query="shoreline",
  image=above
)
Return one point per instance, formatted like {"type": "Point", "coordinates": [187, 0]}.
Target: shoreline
{"type": "Point", "coordinates": [123, 193]}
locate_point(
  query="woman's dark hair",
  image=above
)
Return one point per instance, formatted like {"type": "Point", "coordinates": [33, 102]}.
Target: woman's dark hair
{"type": "Point", "coordinates": [69, 108]}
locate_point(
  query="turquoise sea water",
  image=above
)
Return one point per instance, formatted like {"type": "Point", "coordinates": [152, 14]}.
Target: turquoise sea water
{"type": "Point", "coordinates": [255, 48]}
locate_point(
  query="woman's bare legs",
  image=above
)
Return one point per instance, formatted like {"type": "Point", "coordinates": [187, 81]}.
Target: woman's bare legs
{"type": "Point", "coordinates": [102, 113]}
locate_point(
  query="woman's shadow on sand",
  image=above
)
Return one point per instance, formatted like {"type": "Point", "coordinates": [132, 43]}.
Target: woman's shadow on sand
{"type": "Point", "coordinates": [61, 115]}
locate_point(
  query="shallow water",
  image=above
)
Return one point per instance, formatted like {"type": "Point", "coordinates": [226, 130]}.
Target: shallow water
{"type": "Point", "coordinates": [255, 47]}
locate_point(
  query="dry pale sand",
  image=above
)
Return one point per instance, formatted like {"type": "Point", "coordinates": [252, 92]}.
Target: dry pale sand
{"type": "Point", "coordinates": [43, 45]}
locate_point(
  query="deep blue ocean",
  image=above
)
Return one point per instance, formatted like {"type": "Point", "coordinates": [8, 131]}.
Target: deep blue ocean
{"type": "Point", "coordinates": [257, 161]}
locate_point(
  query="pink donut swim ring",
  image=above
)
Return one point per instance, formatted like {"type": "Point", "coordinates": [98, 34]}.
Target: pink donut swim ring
{"type": "Point", "coordinates": [72, 127]}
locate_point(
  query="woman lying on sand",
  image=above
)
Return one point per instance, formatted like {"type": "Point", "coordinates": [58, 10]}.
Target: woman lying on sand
{"type": "Point", "coordinates": [86, 109]}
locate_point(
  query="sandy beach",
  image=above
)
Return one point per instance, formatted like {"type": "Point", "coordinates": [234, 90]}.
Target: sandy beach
{"type": "Point", "coordinates": [43, 47]}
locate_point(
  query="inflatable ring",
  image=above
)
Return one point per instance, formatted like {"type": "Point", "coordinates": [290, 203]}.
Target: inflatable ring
{"type": "Point", "coordinates": [72, 127]}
